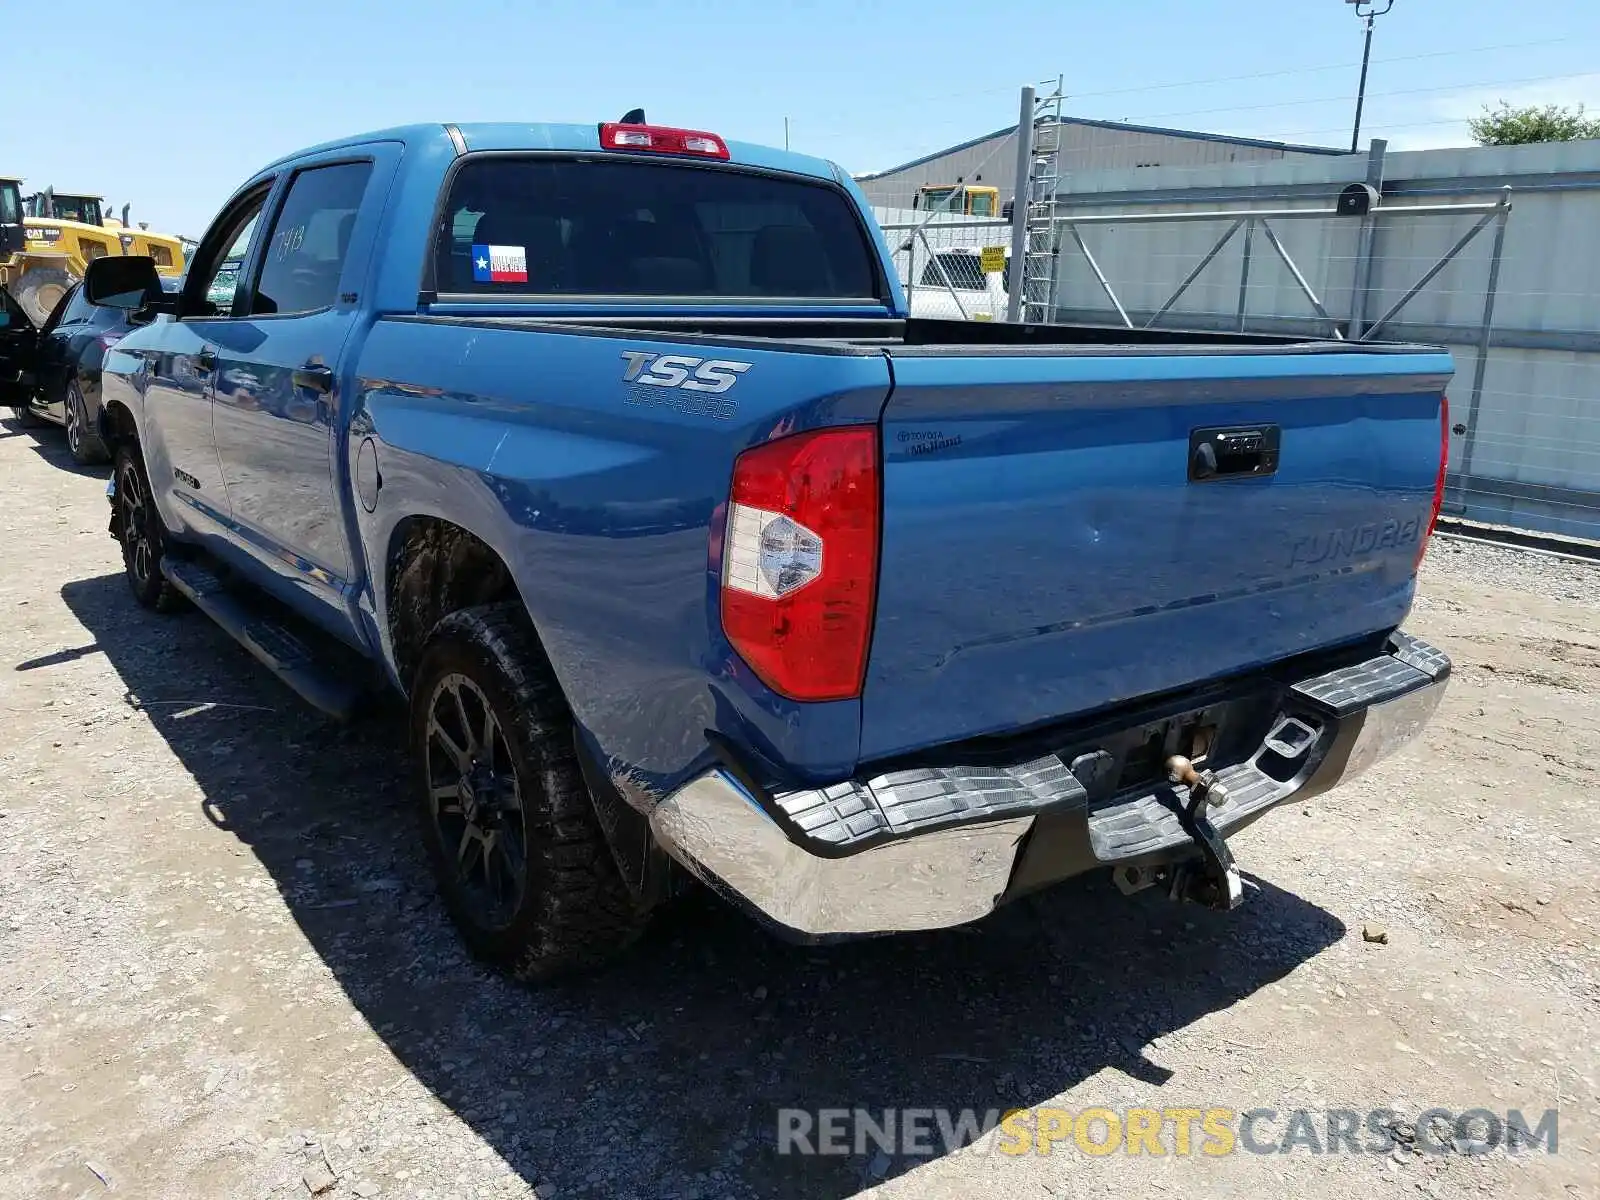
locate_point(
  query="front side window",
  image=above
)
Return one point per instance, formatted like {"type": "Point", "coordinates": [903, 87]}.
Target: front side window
{"type": "Point", "coordinates": [632, 228]}
{"type": "Point", "coordinates": [59, 312]}
{"type": "Point", "coordinates": [304, 254]}
{"type": "Point", "coordinates": [10, 204]}
{"type": "Point", "coordinates": [216, 284]}
{"type": "Point", "coordinates": [981, 204]}
{"type": "Point", "coordinates": [78, 308]}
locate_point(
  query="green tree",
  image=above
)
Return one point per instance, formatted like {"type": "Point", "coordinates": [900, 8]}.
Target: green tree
{"type": "Point", "coordinates": [1510, 126]}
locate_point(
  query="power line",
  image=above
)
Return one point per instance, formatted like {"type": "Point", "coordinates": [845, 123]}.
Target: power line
{"type": "Point", "coordinates": [1310, 133]}
{"type": "Point", "coordinates": [1343, 66]}
{"type": "Point", "coordinates": [1448, 87]}
{"type": "Point", "coordinates": [911, 102]}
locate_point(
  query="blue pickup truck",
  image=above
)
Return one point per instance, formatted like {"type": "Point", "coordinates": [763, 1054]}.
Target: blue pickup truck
{"type": "Point", "coordinates": [613, 450]}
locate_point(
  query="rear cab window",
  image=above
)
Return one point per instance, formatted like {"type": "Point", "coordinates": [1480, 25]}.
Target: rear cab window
{"type": "Point", "coordinates": [629, 228]}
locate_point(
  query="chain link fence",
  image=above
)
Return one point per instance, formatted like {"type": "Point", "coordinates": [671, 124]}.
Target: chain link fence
{"type": "Point", "coordinates": [1489, 252]}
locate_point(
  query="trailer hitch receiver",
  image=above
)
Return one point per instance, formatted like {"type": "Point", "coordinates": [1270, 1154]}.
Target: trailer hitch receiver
{"type": "Point", "coordinates": [1213, 880]}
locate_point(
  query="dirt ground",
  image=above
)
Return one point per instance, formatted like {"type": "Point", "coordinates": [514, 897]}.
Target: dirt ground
{"type": "Point", "coordinates": [223, 970]}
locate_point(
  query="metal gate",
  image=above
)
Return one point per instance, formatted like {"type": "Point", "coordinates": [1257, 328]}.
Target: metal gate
{"type": "Point", "coordinates": [1256, 233]}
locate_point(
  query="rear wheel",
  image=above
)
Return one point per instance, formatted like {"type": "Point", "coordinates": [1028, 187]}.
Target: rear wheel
{"type": "Point", "coordinates": [143, 537]}
{"type": "Point", "coordinates": [82, 440]}
{"type": "Point", "coordinates": [507, 821]}
{"type": "Point", "coordinates": [25, 416]}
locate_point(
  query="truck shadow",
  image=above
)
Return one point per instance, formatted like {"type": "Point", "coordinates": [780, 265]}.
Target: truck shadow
{"type": "Point", "coordinates": [666, 1076]}
{"type": "Point", "coordinates": [49, 443]}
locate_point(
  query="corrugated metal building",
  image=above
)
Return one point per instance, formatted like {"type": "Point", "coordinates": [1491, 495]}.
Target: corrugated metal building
{"type": "Point", "coordinates": [1085, 146]}
{"type": "Point", "coordinates": [1526, 448]}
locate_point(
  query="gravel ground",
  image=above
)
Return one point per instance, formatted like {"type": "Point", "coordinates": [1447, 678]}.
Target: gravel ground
{"type": "Point", "coordinates": [223, 971]}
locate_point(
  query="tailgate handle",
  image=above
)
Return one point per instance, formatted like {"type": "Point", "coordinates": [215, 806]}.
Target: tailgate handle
{"type": "Point", "coordinates": [1233, 453]}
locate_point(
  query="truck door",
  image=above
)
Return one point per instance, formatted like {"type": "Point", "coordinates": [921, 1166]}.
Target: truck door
{"type": "Point", "coordinates": [276, 411]}
{"type": "Point", "coordinates": [18, 341]}
{"type": "Point", "coordinates": [179, 363]}
{"type": "Point", "coordinates": [60, 342]}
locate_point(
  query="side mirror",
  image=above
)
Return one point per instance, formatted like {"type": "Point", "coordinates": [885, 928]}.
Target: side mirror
{"type": "Point", "coordinates": [127, 282]}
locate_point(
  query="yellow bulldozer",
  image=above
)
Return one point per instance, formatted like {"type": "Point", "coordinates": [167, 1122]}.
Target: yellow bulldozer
{"type": "Point", "coordinates": [62, 234]}
{"type": "Point", "coordinates": [50, 255]}
{"type": "Point", "coordinates": [962, 198]}
{"type": "Point", "coordinates": [167, 250]}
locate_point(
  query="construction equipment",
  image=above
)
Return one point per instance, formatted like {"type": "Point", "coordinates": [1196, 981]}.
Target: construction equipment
{"type": "Point", "coordinates": [969, 200]}
{"type": "Point", "coordinates": [166, 250]}
{"type": "Point", "coordinates": [56, 250]}
{"type": "Point", "coordinates": [11, 234]}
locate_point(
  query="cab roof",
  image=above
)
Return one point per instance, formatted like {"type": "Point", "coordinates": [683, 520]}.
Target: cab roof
{"type": "Point", "coordinates": [512, 135]}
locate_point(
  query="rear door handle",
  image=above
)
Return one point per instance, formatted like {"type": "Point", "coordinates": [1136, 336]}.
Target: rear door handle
{"type": "Point", "coordinates": [316, 379]}
{"type": "Point", "coordinates": [206, 360]}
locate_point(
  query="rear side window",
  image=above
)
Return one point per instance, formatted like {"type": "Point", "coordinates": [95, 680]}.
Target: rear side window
{"type": "Point", "coordinates": [305, 252]}
{"type": "Point", "coordinates": [629, 228]}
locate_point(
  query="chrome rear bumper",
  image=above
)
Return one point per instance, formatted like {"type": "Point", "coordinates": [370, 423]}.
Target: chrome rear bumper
{"type": "Point", "coordinates": [932, 881]}
{"type": "Point", "coordinates": [933, 848]}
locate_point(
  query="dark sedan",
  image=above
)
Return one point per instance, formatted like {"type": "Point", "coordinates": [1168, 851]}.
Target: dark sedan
{"type": "Point", "coordinates": [62, 384]}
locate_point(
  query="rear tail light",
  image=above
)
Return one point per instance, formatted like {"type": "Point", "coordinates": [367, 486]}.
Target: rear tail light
{"type": "Point", "coordinates": [800, 561]}
{"type": "Point", "coordinates": [661, 140]}
{"type": "Point", "coordinates": [1438, 483]}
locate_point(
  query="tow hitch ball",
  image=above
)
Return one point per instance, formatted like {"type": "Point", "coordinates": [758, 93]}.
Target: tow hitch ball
{"type": "Point", "coordinates": [1214, 880]}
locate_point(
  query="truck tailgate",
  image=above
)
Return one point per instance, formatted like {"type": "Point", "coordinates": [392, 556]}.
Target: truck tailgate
{"type": "Point", "coordinates": [1045, 552]}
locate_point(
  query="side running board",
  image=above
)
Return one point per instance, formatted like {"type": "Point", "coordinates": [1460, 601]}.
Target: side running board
{"type": "Point", "coordinates": [284, 654]}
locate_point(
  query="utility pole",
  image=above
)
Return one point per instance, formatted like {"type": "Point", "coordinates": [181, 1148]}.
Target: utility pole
{"type": "Point", "coordinates": [786, 133]}
{"type": "Point", "coordinates": [1368, 11]}
{"type": "Point", "coordinates": [1021, 198]}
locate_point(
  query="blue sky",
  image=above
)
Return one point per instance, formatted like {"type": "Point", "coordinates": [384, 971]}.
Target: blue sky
{"type": "Point", "coordinates": [869, 84]}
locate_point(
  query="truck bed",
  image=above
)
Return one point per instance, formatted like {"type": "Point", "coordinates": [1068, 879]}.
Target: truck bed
{"type": "Point", "coordinates": [1044, 549]}
{"type": "Point", "coordinates": [925, 336]}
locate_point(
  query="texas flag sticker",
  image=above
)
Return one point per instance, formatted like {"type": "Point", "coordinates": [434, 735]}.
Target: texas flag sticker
{"type": "Point", "coordinates": [499, 264]}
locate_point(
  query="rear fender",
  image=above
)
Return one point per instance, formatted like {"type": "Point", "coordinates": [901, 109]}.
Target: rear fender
{"type": "Point", "coordinates": [605, 497]}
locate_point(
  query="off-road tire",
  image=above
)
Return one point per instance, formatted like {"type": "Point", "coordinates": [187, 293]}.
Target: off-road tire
{"type": "Point", "coordinates": [83, 443]}
{"type": "Point", "coordinates": [34, 289]}
{"type": "Point", "coordinates": [573, 912]}
{"type": "Point", "coordinates": [138, 519]}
